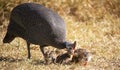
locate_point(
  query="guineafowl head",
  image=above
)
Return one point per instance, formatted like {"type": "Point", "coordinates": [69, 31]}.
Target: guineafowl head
{"type": "Point", "coordinates": [70, 47]}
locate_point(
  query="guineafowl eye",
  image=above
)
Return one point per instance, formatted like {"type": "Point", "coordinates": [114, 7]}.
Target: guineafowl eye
{"type": "Point", "coordinates": [69, 47]}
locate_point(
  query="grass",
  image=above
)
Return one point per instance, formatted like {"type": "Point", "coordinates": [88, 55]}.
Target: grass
{"type": "Point", "coordinates": [94, 24]}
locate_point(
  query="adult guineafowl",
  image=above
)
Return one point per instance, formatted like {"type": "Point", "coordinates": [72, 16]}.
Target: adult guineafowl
{"type": "Point", "coordinates": [37, 25]}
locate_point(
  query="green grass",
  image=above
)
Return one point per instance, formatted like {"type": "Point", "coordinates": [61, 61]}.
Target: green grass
{"type": "Point", "coordinates": [94, 24]}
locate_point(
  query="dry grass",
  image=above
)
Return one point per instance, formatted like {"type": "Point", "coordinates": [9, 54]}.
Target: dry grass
{"type": "Point", "coordinates": [94, 24]}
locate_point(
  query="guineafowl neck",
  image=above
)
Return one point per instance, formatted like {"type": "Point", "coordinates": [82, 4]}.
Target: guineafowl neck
{"type": "Point", "coordinates": [60, 45]}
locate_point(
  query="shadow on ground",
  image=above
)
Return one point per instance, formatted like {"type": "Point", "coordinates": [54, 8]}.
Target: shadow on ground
{"type": "Point", "coordinates": [9, 59]}
{"type": "Point", "coordinates": [12, 60]}
{"type": "Point", "coordinates": [37, 62]}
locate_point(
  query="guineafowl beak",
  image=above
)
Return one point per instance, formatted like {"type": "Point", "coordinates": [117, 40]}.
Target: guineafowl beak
{"type": "Point", "coordinates": [73, 48]}
{"type": "Point", "coordinates": [72, 51]}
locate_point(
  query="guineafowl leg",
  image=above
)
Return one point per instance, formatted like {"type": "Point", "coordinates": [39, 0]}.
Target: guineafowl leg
{"type": "Point", "coordinates": [28, 48]}
{"type": "Point", "coordinates": [42, 50]}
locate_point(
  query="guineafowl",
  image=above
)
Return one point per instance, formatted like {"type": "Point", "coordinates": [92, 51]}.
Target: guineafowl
{"type": "Point", "coordinates": [38, 25]}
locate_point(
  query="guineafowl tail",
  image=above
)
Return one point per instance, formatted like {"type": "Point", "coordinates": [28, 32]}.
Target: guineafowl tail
{"type": "Point", "coordinates": [8, 38]}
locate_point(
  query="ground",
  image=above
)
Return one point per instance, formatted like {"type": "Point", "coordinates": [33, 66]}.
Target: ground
{"type": "Point", "coordinates": [95, 25]}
